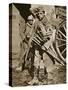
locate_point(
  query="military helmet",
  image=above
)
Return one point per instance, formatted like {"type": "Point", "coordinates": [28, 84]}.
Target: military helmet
{"type": "Point", "coordinates": [34, 10]}
{"type": "Point", "coordinates": [40, 9]}
{"type": "Point", "coordinates": [37, 9]}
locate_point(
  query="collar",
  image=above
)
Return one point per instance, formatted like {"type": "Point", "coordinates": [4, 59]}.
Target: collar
{"type": "Point", "coordinates": [29, 25]}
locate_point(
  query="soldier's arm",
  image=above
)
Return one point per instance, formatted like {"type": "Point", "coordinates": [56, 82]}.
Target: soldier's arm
{"type": "Point", "coordinates": [43, 31]}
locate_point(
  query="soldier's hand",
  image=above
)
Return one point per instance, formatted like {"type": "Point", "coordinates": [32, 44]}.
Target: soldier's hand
{"type": "Point", "coordinates": [43, 48]}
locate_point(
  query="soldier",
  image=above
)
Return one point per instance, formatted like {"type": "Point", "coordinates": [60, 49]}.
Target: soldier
{"type": "Point", "coordinates": [24, 46]}
{"type": "Point", "coordinates": [38, 38]}
{"type": "Point", "coordinates": [43, 40]}
{"type": "Point", "coordinates": [28, 33]}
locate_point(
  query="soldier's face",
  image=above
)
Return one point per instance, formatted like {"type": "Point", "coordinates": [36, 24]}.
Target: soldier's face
{"type": "Point", "coordinates": [40, 15]}
{"type": "Point", "coordinates": [30, 21]}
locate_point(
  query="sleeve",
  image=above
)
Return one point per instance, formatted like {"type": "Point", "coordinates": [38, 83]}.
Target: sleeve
{"type": "Point", "coordinates": [41, 28]}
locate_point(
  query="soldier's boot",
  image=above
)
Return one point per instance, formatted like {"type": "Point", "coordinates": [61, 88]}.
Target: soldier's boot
{"type": "Point", "coordinates": [35, 79]}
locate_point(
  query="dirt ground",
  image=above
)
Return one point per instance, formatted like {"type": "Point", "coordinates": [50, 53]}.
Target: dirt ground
{"type": "Point", "coordinates": [56, 76]}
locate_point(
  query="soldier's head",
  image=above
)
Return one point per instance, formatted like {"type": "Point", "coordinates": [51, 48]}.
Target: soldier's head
{"type": "Point", "coordinates": [34, 11]}
{"type": "Point", "coordinates": [40, 13]}
{"type": "Point", "coordinates": [30, 19]}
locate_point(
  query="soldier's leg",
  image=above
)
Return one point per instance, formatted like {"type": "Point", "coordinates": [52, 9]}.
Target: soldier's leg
{"type": "Point", "coordinates": [36, 64]}
{"type": "Point", "coordinates": [31, 60]}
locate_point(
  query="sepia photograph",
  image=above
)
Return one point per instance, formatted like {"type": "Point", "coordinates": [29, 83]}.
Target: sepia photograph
{"type": "Point", "coordinates": [37, 44]}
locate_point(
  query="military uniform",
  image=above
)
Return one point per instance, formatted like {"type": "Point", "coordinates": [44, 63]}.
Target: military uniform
{"type": "Point", "coordinates": [44, 34]}
{"type": "Point", "coordinates": [28, 34]}
{"type": "Point", "coordinates": [24, 45]}
{"type": "Point", "coordinates": [37, 42]}
{"type": "Point", "coordinates": [43, 37]}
